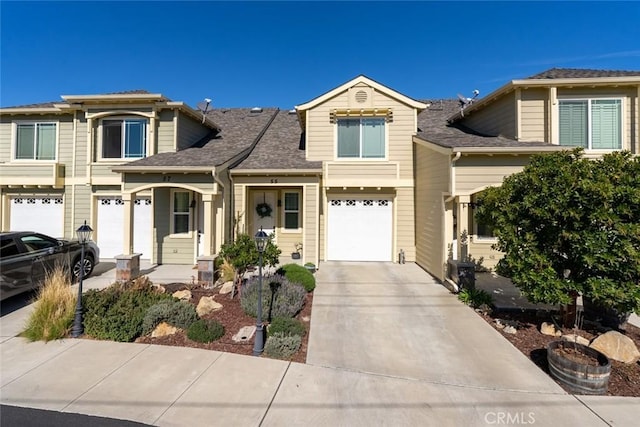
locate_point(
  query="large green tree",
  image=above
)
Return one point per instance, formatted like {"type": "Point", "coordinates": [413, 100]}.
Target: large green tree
{"type": "Point", "coordinates": [570, 225]}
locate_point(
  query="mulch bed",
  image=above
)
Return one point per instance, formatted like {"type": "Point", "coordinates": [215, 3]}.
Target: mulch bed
{"type": "Point", "coordinates": [624, 379]}
{"type": "Point", "coordinates": [233, 318]}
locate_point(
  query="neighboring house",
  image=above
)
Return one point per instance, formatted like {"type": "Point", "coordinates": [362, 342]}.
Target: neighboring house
{"type": "Point", "coordinates": [360, 173]}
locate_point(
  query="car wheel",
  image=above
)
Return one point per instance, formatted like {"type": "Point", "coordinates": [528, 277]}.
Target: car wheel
{"type": "Point", "coordinates": [88, 267]}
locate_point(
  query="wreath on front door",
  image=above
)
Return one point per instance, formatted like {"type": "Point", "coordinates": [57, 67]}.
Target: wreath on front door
{"type": "Point", "coordinates": [263, 210]}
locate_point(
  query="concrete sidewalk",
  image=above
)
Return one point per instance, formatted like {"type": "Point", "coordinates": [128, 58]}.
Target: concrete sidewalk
{"type": "Point", "coordinates": [388, 346]}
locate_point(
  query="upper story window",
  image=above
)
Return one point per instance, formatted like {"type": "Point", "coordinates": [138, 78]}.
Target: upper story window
{"type": "Point", "coordinates": [361, 138]}
{"type": "Point", "coordinates": [124, 138]}
{"type": "Point", "coordinates": [36, 141]}
{"type": "Point", "coordinates": [595, 124]}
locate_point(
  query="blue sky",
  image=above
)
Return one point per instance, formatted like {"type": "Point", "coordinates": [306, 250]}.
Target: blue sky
{"type": "Point", "coordinates": [281, 54]}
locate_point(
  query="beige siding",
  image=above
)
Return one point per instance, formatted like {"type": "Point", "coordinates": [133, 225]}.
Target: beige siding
{"type": "Point", "coordinates": [404, 223]}
{"type": "Point", "coordinates": [496, 118]}
{"type": "Point", "coordinates": [5, 138]}
{"type": "Point", "coordinates": [239, 209]}
{"type": "Point", "coordinates": [167, 249]}
{"type": "Point", "coordinates": [165, 132]}
{"type": "Point", "coordinates": [473, 173]}
{"type": "Point", "coordinates": [432, 181]}
{"type": "Point", "coordinates": [77, 208]}
{"type": "Point", "coordinates": [80, 149]}
{"type": "Point", "coordinates": [310, 199]}
{"type": "Point", "coordinates": [190, 131]}
{"type": "Point", "coordinates": [361, 174]}
{"type": "Point", "coordinates": [480, 250]}
{"type": "Point", "coordinates": [534, 114]}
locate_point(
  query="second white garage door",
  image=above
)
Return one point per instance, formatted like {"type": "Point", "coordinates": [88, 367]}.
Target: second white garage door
{"type": "Point", "coordinates": [111, 226]}
{"type": "Point", "coordinates": [360, 229]}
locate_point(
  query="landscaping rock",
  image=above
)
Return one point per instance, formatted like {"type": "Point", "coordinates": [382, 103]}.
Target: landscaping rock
{"type": "Point", "coordinates": [163, 329]}
{"type": "Point", "coordinates": [159, 288]}
{"type": "Point", "coordinates": [244, 334]}
{"type": "Point", "coordinates": [484, 309]}
{"type": "Point", "coordinates": [226, 288]}
{"type": "Point", "coordinates": [575, 338]}
{"type": "Point", "coordinates": [306, 319]}
{"type": "Point", "coordinates": [616, 346]}
{"type": "Point", "coordinates": [184, 295]}
{"type": "Point", "coordinates": [207, 305]}
{"type": "Point", "coordinates": [550, 329]}
{"type": "Point", "coordinates": [510, 330]}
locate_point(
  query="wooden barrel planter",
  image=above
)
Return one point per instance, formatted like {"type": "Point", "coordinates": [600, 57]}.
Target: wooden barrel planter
{"type": "Point", "coordinates": [579, 378]}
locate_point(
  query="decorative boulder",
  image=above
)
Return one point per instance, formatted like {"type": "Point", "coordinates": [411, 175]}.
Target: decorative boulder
{"type": "Point", "coordinates": [226, 288]}
{"type": "Point", "coordinates": [550, 329]}
{"type": "Point", "coordinates": [184, 295]}
{"type": "Point", "coordinates": [207, 305]}
{"type": "Point", "coordinates": [616, 346]}
{"type": "Point", "coordinates": [163, 329]}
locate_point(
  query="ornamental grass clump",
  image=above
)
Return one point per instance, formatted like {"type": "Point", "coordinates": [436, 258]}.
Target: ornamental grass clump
{"type": "Point", "coordinates": [298, 274]}
{"type": "Point", "coordinates": [54, 308]}
{"type": "Point", "coordinates": [280, 297]}
{"type": "Point", "coordinates": [205, 331]}
{"type": "Point", "coordinates": [282, 346]}
{"type": "Point", "coordinates": [176, 313]}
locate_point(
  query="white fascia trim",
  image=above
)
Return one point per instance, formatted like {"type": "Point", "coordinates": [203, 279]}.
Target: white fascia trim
{"type": "Point", "coordinates": [281, 172]}
{"type": "Point", "coordinates": [114, 97]}
{"type": "Point", "coordinates": [362, 79]}
{"type": "Point", "coordinates": [162, 169]}
{"type": "Point", "coordinates": [509, 150]}
{"type": "Point", "coordinates": [435, 147]}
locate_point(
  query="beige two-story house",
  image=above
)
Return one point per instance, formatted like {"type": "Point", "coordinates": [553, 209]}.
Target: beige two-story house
{"type": "Point", "coordinates": [359, 173]}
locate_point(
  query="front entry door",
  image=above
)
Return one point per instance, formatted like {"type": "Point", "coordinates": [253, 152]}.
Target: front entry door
{"type": "Point", "coordinates": [266, 201]}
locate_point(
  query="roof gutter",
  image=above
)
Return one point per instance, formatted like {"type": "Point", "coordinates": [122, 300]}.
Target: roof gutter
{"type": "Point", "coordinates": [277, 172]}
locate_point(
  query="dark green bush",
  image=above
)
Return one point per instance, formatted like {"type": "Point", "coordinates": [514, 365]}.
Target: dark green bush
{"type": "Point", "coordinates": [205, 330]}
{"type": "Point", "coordinates": [281, 346]}
{"type": "Point", "coordinates": [117, 313]}
{"type": "Point", "coordinates": [280, 297]}
{"type": "Point", "coordinates": [286, 326]}
{"type": "Point", "coordinates": [298, 274]}
{"type": "Point", "coordinates": [475, 297]}
{"type": "Point", "coordinates": [180, 314]}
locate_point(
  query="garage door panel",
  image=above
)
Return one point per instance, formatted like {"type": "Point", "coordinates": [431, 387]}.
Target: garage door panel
{"type": "Point", "coordinates": [41, 214]}
{"type": "Point", "coordinates": [111, 226]}
{"type": "Point", "coordinates": [360, 229]}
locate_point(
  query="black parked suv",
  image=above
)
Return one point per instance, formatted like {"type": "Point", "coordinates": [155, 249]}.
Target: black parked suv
{"type": "Point", "coordinates": [26, 257]}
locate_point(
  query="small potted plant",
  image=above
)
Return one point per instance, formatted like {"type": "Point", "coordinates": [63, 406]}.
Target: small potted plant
{"type": "Point", "coordinates": [310, 266]}
{"type": "Point", "coordinates": [296, 254]}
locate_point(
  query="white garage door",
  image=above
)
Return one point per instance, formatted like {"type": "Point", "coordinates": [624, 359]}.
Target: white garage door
{"type": "Point", "coordinates": [360, 229]}
{"type": "Point", "coordinates": [41, 214]}
{"type": "Point", "coordinates": [111, 226]}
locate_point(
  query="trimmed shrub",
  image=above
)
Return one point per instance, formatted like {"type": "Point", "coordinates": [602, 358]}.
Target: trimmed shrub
{"type": "Point", "coordinates": [298, 274]}
{"type": "Point", "coordinates": [117, 312]}
{"type": "Point", "coordinates": [475, 297]}
{"type": "Point", "coordinates": [54, 308]}
{"type": "Point", "coordinates": [205, 330]}
{"type": "Point", "coordinates": [282, 346]}
{"type": "Point", "coordinates": [286, 326]}
{"type": "Point", "coordinates": [176, 313]}
{"type": "Point", "coordinates": [280, 297]}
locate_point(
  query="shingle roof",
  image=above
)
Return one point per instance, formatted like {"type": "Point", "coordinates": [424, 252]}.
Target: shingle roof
{"type": "Point", "coordinates": [51, 103]}
{"type": "Point", "coordinates": [281, 147]}
{"type": "Point", "coordinates": [38, 105]}
{"type": "Point", "coordinates": [239, 130]}
{"type": "Point", "coordinates": [433, 127]}
{"type": "Point", "coordinates": [581, 73]}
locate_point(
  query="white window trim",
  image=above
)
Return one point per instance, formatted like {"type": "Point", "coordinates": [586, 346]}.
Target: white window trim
{"type": "Point", "coordinates": [361, 159]}
{"type": "Point", "coordinates": [172, 233]}
{"type": "Point", "coordinates": [14, 140]}
{"type": "Point", "coordinates": [119, 160]}
{"type": "Point", "coordinates": [589, 98]}
{"type": "Point", "coordinates": [283, 211]}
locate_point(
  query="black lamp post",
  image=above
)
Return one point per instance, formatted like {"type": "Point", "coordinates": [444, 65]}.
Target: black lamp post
{"type": "Point", "coordinates": [261, 242]}
{"type": "Point", "coordinates": [84, 234]}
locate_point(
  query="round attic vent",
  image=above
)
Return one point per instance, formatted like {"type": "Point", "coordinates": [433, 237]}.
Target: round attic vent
{"type": "Point", "coordinates": [361, 96]}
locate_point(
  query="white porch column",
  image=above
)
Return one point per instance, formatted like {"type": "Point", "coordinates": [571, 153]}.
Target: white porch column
{"type": "Point", "coordinates": [208, 231]}
{"type": "Point", "coordinates": [127, 246]}
{"type": "Point", "coordinates": [463, 226]}
{"type": "Point", "coordinates": [218, 219]}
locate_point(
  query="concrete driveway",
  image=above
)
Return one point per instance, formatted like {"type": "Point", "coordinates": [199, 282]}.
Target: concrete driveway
{"type": "Point", "coordinates": [389, 346]}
